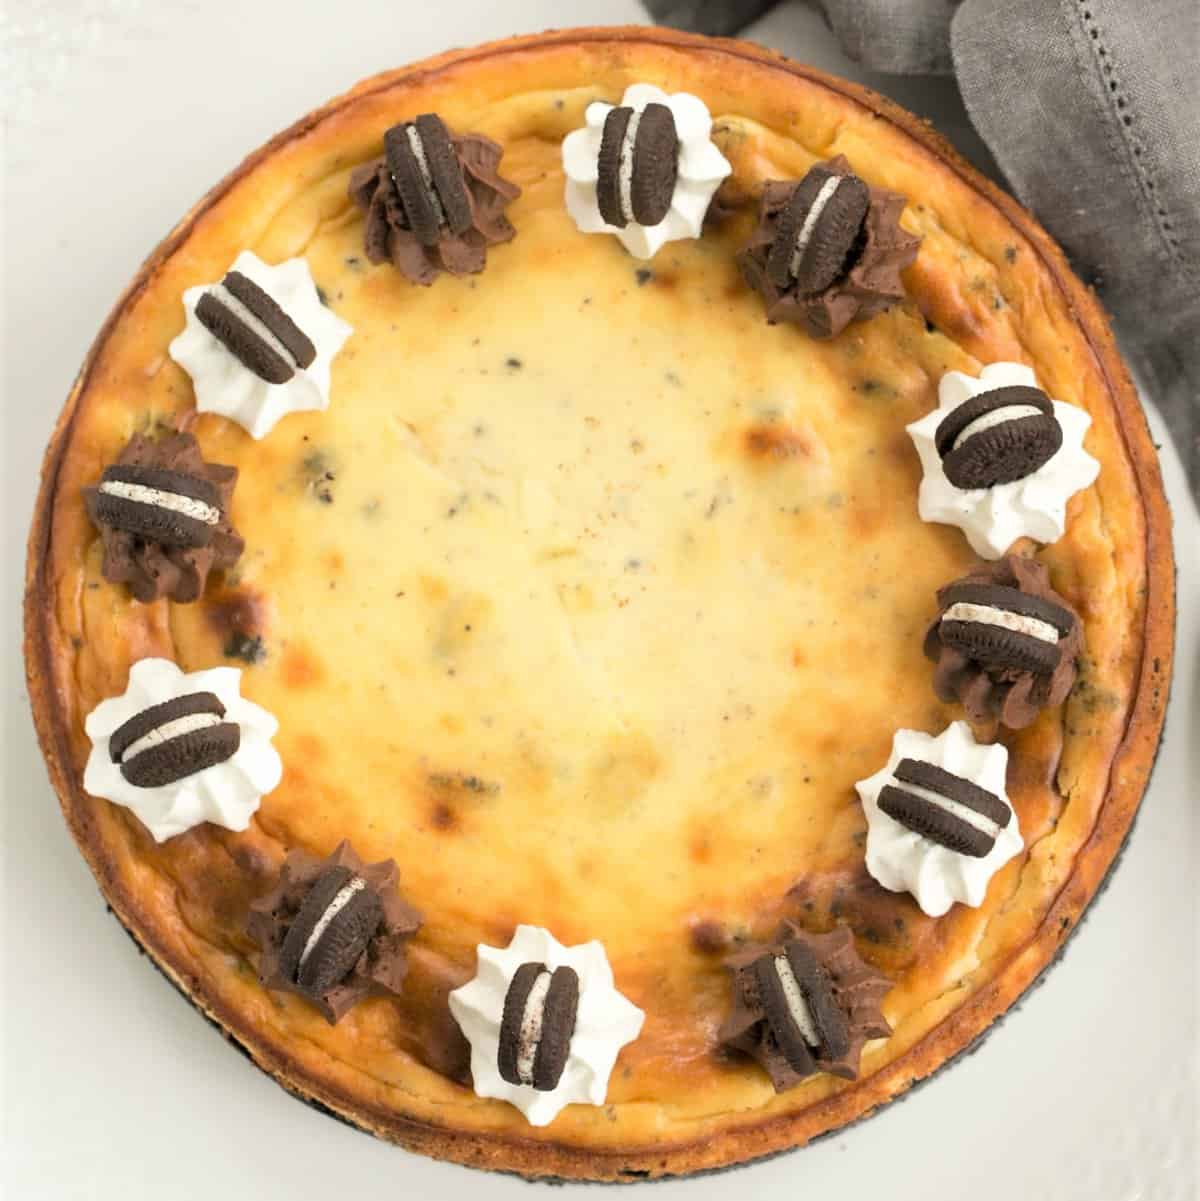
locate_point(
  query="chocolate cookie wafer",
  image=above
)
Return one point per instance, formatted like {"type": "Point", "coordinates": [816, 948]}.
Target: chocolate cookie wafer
{"type": "Point", "coordinates": [945, 808]}
{"type": "Point", "coordinates": [254, 329]}
{"type": "Point", "coordinates": [338, 918]}
{"type": "Point", "coordinates": [178, 738]}
{"type": "Point", "coordinates": [428, 178]}
{"type": "Point", "coordinates": [998, 436]}
{"type": "Point", "coordinates": [539, 1020]}
{"type": "Point", "coordinates": [1004, 628]}
{"type": "Point", "coordinates": [638, 165]}
{"type": "Point", "coordinates": [818, 231]}
{"type": "Point", "coordinates": [159, 505]}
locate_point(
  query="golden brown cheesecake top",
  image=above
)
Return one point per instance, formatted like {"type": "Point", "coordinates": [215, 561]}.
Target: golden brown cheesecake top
{"type": "Point", "coordinates": [591, 596]}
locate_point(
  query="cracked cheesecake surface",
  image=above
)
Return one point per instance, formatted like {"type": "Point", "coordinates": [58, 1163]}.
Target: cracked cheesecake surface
{"type": "Point", "coordinates": [591, 596]}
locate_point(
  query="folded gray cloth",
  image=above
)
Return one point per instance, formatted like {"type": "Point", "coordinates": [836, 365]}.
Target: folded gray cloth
{"type": "Point", "coordinates": [1092, 110]}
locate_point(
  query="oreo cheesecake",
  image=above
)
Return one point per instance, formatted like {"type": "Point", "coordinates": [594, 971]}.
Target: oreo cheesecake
{"type": "Point", "coordinates": [603, 605]}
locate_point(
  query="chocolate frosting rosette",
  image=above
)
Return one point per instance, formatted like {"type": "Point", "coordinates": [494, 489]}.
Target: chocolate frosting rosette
{"type": "Point", "coordinates": [828, 250]}
{"type": "Point", "coordinates": [163, 515]}
{"type": "Point", "coordinates": [806, 1003]}
{"type": "Point", "coordinates": [434, 201]}
{"type": "Point", "coordinates": [333, 930]}
{"type": "Point", "coordinates": [1005, 644]}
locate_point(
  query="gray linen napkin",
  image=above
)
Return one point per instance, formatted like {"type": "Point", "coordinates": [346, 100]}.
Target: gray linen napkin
{"type": "Point", "coordinates": [1092, 110]}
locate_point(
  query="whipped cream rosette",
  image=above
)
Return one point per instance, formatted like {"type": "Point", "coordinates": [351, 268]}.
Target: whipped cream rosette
{"type": "Point", "coordinates": [259, 344]}
{"type": "Point", "coordinates": [545, 1023]}
{"type": "Point", "coordinates": [182, 748]}
{"type": "Point", "coordinates": [1030, 499]}
{"type": "Point", "coordinates": [644, 170]}
{"type": "Point", "coordinates": [939, 822]}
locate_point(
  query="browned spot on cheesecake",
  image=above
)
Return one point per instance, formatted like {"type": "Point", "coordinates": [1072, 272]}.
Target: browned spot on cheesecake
{"type": "Point", "coordinates": [216, 879]}
{"type": "Point", "coordinates": [443, 816]}
{"type": "Point", "coordinates": [240, 617]}
{"type": "Point", "coordinates": [767, 443]}
{"type": "Point", "coordinates": [301, 669]}
{"type": "Point", "coordinates": [434, 589]}
{"type": "Point", "coordinates": [309, 747]}
{"type": "Point", "coordinates": [258, 866]}
{"type": "Point", "coordinates": [621, 772]}
{"type": "Point", "coordinates": [899, 448]}
{"type": "Point", "coordinates": [891, 929]}
{"type": "Point", "coordinates": [867, 519]}
{"type": "Point", "coordinates": [239, 610]}
{"type": "Point", "coordinates": [451, 723]}
{"type": "Point", "coordinates": [708, 936]}
{"type": "Point", "coordinates": [426, 1029]}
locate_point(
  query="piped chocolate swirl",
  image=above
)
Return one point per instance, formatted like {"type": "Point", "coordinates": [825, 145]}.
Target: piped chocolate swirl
{"type": "Point", "coordinates": [828, 249]}
{"type": "Point", "coordinates": [255, 329]}
{"type": "Point", "coordinates": [173, 740]}
{"type": "Point", "coordinates": [945, 808]}
{"type": "Point", "coordinates": [333, 930]}
{"type": "Point", "coordinates": [163, 515]}
{"type": "Point", "coordinates": [434, 200]}
{"type": "Point", "coordinates": [805, 1003]}
{"type": "Point", "coordinates": [539, 1020]}
{"type": "Point", "coordinates": [998, 436]}
{"type": "Point", "coordinates": [638, 165]}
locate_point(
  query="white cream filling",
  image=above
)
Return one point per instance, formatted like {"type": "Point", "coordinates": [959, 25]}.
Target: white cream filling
{"type": "Point", "coordinates": [418, 149]}
{"type": "Point", "coordinates": [797, 1006]}
{"type": "Point", "coordinates": [531, 1027]}
{"type": "Point", "coordinates": [246, 317]}
{"type": "Point", "coordinates": [169, 730]}
{"type": "Point", "coordinates": [823, 197]}
{"type": "Point", "coordinates": [339, 902]}
{"type": "Point", "coordinates": [989, 616]}
{"type": "Point", "coordinates": [188, 506]}
{"type": "Point", "coordinates": [625, 167]}
{"type": "Point", "coordinates": [963, 812]}
{"type": "Point", "coordinates": [994, 418]}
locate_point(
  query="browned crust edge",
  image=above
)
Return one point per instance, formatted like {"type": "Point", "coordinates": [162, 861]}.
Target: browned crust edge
{"type": "Point", "coordinates": [1129, 772]}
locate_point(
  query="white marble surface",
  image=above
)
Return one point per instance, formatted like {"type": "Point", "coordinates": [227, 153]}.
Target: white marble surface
{"type": "Point", "coordinates": [120, 114]}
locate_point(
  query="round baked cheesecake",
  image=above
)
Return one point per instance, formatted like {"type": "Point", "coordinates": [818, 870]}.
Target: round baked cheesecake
{"type": "Point", "coordinates": [603, 604]}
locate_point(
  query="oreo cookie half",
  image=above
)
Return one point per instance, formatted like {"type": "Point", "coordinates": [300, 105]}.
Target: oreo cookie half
{"type": "Point", "coordinates": [428, 178]}
{"type": "Point", "coordinates": [254, 329]}
{"type": "Point", "coordinates": [1004, 628]}
{"type": "Point", "coordinates": [538, 1022]}
{"type": "Point", "coordinates": [945, 808]}
{"type": "Point", "coordinates": [638, 165]}
{"type": "Point", "coordinates": [339, 916]}
{"type": "Point", "coordinates": [797, 998]}
{"type": "Point", "coordinates": [818, 231]}
{"type": "Point", "coordinates": [168, 507]}
{"type": "Point", "coordinates": [999, 436]}
{"type": "Point", "coordinates": [178, 738]}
